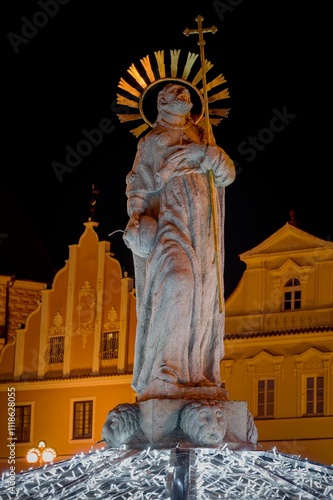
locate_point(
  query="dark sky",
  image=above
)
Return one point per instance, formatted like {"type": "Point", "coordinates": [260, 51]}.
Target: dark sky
{"type": "Point", "coordinates": [61, 67]}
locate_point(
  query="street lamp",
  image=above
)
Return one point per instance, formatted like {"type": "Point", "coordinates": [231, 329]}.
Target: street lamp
{"type": "Point", "coordinates": [42, 454]}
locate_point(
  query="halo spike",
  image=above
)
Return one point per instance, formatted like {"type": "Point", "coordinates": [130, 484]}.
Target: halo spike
{"type": "Point", "coordinates": [199, 75]}
{"type": "Point", "coordinates": [127, 102]}
{"type": "Point", "coordinates": [174, 54]}
{"type": "Point", "coordinates": [224, 94]}
{"type": "Point", "coordinates": [148, 69]}
{"type": "Point", "coordinates": [136, 75]}
{"type": "Point", "coordinates": [128, 88]}
{"type": "Point", "coordinates": [217, 81]}
{"type": "Point", "coordinates": [160, 63]}
{"type": "Point", "coordinates": [125, 117]}
{"type": "Point", "coordinates": [191, 58]}
{"type": "Point", "coordinates": [224, 112]}
{"type": "Point", "coordinates": [139, 130]}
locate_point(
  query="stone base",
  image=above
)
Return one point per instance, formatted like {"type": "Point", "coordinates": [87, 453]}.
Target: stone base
{"type": "Point", "coordinates": [168, 423]}
{"type": "Point", "coordinates": [160, 389]}
{"type": "Point", "coordinates": [161, 417]}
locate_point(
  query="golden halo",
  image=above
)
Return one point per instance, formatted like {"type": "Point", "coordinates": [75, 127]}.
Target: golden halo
{"type": "Point", "coordinates": [148, 79]}
{"type": "Point", "coordinates": [170, 79]}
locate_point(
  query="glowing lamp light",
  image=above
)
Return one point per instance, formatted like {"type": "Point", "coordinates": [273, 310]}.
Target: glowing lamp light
{"type": "Point", "coordinates": [33, 455]}
{"type": "Point", "coordinates": [42, 454]}
{"type": "Point", "coordinates": [48, 455]}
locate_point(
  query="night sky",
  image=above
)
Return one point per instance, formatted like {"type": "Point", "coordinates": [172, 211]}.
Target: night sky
{"type": "Point", "coordinates": [62, 62]}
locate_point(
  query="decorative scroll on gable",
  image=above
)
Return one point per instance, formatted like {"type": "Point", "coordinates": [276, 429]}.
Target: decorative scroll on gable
{"type": "Point", "coordinates": [290, 269]}
{"type": "Point", "coordinates": [86, 312]}
{"type": "Point", "coordinates": [58, 327]}
{"type": "Point", "coordinates": [313, 360]}
{"type": "Point", "coordinates": [265, 363]}
{"type": "Point", "coordinates": [113, 322]}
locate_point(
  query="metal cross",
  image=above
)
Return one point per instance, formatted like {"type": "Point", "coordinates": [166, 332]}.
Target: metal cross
{"type": "Point", "coordinates": [200, 31]}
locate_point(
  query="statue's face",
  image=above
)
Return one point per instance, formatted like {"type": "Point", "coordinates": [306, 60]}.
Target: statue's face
{"type": "Point", "coordinates": [176, 100]}
{"type": "Point", "coordinates": [212, 425]}
{"type": "Point", "coordinates": [114, 430]}
{"type": "Point", "coordinates": [121, 422]}
{"type": "Point", "coordinates": [205, 424]}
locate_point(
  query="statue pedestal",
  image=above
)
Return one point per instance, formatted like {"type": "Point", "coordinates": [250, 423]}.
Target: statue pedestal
{"type": "Point", "coordinates": [190, 417]}
{"type": "Point", "coordinates": [160, 389]}
{"type": "Point", "coordinates": [160, 418]}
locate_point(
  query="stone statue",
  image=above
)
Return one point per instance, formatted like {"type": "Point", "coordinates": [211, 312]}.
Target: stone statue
{"type": "Point", "coordinates": [180, 328]}
{"type": "Point", "coordinates": [204, 422]}
{"type": "Point", "coordinates": [120, 424]}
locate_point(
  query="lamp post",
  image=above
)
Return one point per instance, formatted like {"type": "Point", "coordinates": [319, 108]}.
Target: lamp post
{"type": "Point", "coordinates": [42, 454]}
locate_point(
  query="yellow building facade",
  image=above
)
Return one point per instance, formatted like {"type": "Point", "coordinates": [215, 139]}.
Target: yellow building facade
{"type": "Point", "coordinates": [279, 343]}
{"type": "Point", "coordinates": [72, 360]}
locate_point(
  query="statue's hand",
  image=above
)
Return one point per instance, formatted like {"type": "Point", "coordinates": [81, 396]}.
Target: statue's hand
{"type": "Point", "coordinates": [134, 221]}
{"type": "Point", "coordinates": [140, 234]}
{"type": "Point", "coordinates": [187, 153]}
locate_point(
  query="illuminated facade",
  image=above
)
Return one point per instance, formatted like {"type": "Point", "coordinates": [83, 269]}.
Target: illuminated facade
{"type": "Point", "coordinates": [18, 298]}
{"type": "Point", "coordinates": [72, 361]}
{"type": "Point", "coordinates": [279, 343]}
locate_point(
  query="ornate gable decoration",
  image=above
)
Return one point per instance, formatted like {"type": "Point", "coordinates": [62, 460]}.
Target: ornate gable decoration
{"type": "Point", "coordinates": [86, 312]}
{"type": "Point", "coordinates": [112, 323]}
{"type": "Point", "coordinates": [288, 270]}
{"type": "Point", "coordinates": [265, 363]}
{"type": "Point", "coordinates": [287, 239]}
{"type": "Point", "coordinates": [59, 327]}
{"type": "Point", "coordinates": [313, 360]}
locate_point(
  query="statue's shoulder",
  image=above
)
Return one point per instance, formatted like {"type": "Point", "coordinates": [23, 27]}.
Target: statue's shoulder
{"type": "Point", "coordinates": [152, 136]}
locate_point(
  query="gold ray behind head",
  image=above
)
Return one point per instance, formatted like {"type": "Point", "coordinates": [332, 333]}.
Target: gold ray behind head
{"type": "Point", "coordinates": [174, 68]}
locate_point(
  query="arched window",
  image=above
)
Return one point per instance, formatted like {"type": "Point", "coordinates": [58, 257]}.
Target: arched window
{"type": "Point", "coordinates": [292, 295]}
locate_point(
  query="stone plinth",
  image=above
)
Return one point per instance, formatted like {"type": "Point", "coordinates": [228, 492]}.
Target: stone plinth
{"type": "Point", "coordinates": [160, 389]}
{"type": "Point", "coordinates": [160, 418]}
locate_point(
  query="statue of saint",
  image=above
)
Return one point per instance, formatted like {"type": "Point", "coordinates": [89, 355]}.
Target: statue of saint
{"type": "Point", "coordinates": [180, 328]}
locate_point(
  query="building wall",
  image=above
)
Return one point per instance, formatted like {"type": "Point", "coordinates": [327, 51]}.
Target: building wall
{"type": "Point", "coordinates": [89, 296]}
{"type": "Point", "coordinates": [264, 341]}
{"type": "Point", "coordinates": [20, 298]}
{"type": "Point", "coordinates": [52, 416]}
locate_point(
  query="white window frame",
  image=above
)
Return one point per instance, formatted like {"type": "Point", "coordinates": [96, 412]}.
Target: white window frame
{"type": "Point", "coordinates": [261, 367]}
{"type": "Point", "coordinates": [315, 390]}
{"type": "Point", "coordinates": [312, 363]}
{"type": "Point", "coordinates": [292, 289]}
{"type": "Point", "coordinates": [265, 416]}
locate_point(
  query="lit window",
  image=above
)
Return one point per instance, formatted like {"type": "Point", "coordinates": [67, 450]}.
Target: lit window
{"type": "Point", "coordinates": [22, 423]}
{"type": "Point", "coordinates": [292, 295]}
{"type": "Point", "coordinates": [315, 395]}
{"type": "Point", "coordinates": [109, 345]}
{"type": "Point", "coordinates": [265, 398]}
{"type": "Point", "coordinates": [82, 419]}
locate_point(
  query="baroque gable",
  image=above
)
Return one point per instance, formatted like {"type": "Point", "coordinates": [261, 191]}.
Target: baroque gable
{"type": "Point", "coordinates": [287, 239]}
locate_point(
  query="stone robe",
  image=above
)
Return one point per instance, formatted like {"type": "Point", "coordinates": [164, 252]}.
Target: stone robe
{"type": "Point", "coordinates": [179, 325]}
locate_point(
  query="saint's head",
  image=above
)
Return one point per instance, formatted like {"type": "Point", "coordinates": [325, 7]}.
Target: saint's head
{"type": "Point", "coordinates": [174, 100]}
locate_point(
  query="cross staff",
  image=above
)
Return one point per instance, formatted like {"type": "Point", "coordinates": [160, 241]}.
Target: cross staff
{"type": "Point", "coordinates": [200, 31]}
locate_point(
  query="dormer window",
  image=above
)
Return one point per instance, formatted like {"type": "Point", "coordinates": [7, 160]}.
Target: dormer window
{"type": "Point", "coordinates": [292, 295]}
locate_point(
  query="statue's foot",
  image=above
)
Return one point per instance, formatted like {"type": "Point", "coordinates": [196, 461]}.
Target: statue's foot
{"type": "Point", "coordinates": [205, 383]}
